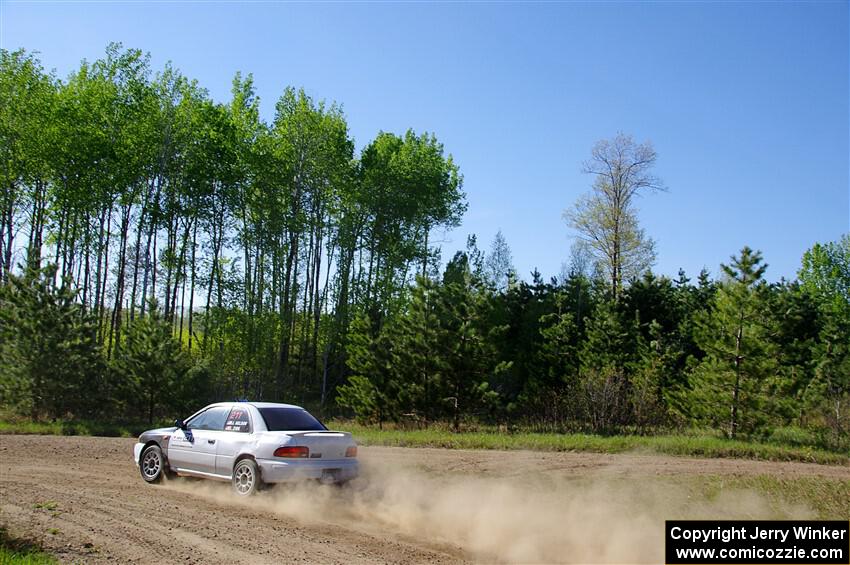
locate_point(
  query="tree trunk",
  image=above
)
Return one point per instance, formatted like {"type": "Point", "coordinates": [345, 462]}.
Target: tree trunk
{"type": "Point", "coordinates": [733, 422]}
{"type": "Point", "coordinates": [115, 329]}
{"type": "Point", "coordinates": [192, 287]}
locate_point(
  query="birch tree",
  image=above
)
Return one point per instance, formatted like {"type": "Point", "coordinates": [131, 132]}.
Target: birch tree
{"type": "Point", "coordinates": [606, 217]}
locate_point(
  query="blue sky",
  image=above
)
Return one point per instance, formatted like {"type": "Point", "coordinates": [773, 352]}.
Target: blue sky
{"type": "Point", "coordinates": [746, 103]}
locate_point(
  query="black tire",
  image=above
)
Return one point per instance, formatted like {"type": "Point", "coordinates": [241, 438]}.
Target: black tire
{"type": "Point", "coordinates": [246, 478]}
{"type": "Point", "coordinates": [152, 464]}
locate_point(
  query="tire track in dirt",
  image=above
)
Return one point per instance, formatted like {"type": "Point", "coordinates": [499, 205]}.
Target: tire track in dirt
{"type": "Point", "coordinates": [412, 506]}
{"type": "Point", "coordinates": [104, 512]}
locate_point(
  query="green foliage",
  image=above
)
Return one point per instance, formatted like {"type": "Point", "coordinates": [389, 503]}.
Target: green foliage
{"type": "Point", "coordinates": [825, 272]}
{"type": "Point", "coordinates": [465, 342]}
{"type": "Point", "coordinates": [435, 360]}
{"type": "Point", "coordinates": [373, 389]}
{"type": "Point", "coordinates": [288, 266]}
{"type": "Point", "coordinates": [106, 426]}
{"type": "Point", "coordinates": [605, 386]}
{"type": "Point", "coordinates": [50, 361]}
{"type": "Point", "coordinates": [686, 445]}
{"type": "Point", "coordinates": [552, 392]}
{"type": "Point", "coordinates": [408, 188]}
{"type": "Point", "coordinates": [26, 133]}
{"type": "Point", "coordinates": [792, 435]}
{"type": "Point", "coordinates": [417, 340]}
{"type": "Point", "coordinates": [734, 381]}
{"type": "Point", "coordinates": [606, 218]}
{"type": "Point", "coordinates": [825, 279]}
{"type": "Point", "coordinates": [362, 396]}
{"type": "Point", "coordinates": [154, 368]}
{"type": "Point", "coordinates": [18, 551]}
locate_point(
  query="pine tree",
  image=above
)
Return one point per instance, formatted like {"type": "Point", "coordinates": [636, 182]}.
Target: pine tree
{"type": "Point", "coordinates": [372, 389]}
{"type": "Point", "coordinates": [661, 309]}
{"type": "Point", "coordinates": [730, 384]}
{"type": "Point", "coordinates": [550, 393]}
{"type": "Point", "coordinates": [152, 366]}
{"type": "Point", "coordinates": [466, 342]}
{"type": "Point", "coordinates": [830, 388]}
{"type": "Point", "coordinates": [605, 373]}
{"type": "Point", "coordinates": [416, 352]}
{"type": "Point", "coordinates": [51, 364]}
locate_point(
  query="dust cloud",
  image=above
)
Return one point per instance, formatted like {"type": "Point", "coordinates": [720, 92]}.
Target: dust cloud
{"type": "Point", "coordinates": [523, 518]}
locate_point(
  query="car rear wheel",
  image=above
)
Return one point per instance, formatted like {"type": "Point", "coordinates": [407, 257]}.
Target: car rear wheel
{"type": "Point", "coordinates": [152, 464]}
{"type": "Point", "coordinates": [246, 478]}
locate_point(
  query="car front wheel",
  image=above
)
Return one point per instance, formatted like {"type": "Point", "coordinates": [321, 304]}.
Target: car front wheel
{"type": "Point", "coordinates": [246, 478]}
{"type": "Point", "coordinates": [152, 464]}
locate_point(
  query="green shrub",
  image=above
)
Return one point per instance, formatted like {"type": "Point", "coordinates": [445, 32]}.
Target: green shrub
{"type": "Point", "coordinates": [793, 435]}
{"type": "Point", "coordinates": [16, 551]}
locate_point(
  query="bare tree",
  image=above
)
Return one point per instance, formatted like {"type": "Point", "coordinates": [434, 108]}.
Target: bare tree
{"type": "Point", "coordinates": [581, 260]}
{"type": "Point", "coordinates": [498, 265]}
{"type": "Point", "coordinates": [606, 218]}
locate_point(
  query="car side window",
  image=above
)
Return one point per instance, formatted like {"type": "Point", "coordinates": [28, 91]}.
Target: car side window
{"type": "Point", "coordinates": [238, 420]}
{"type": "Point", "coordinates": [212, 419]}
{"type": "Point", "coordinates": [197, 423]}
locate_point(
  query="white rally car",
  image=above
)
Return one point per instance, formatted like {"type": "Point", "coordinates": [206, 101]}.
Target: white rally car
{"type": "Point", "coordinates": [249, 444]}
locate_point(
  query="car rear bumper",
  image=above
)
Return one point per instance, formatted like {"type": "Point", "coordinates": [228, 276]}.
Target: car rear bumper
{"type": "Point", "coordinates": [336, 470]}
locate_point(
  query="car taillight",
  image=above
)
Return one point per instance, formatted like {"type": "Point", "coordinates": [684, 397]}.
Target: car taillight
{"type": "Point", "coordinates": [351, 451]}
{"type": "Point", "coordinates": [298, 452]}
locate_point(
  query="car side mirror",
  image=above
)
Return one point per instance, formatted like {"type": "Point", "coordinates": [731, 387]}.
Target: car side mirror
{"type": "Point", "coordinates": [180, 424]}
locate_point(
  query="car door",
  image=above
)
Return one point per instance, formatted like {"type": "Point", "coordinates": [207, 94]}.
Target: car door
{"type": "Point", "coordinates": [236, 435]}
{"type": "Point", "coordinates": [194, 449]}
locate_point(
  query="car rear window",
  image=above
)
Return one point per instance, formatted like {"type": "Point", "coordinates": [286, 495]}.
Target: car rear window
{"type": "Point", "coordinates": [290, 420]}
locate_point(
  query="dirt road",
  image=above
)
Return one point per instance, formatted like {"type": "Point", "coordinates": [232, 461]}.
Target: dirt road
{"type": "Point", "coordinates": [84, 500]}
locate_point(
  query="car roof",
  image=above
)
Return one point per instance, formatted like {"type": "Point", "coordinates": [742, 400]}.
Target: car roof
{"type": "Point", "coordinates": [273, 405]}
{"type": "Point", "coordinates": [257, 404]}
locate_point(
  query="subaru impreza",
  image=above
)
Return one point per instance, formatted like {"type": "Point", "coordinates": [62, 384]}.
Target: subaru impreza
{"type": "Point", "coordinates": [249, 444]}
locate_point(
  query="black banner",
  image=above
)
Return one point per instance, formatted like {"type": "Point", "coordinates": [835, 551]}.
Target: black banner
{"type": "Point", "coordinates": [757, 542]}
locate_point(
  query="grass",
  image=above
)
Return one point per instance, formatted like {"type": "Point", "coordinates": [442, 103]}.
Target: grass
{"type": "Point", "coordinates": [47, 505]}
{"type": "Point", "coordinates": [73, 428]}
{"type": "Point", "coordinates": [687, 445]}
{"type": "Point", "coordinates": [16, 551]}
{"type": "Point", "coordinates": [828, 498]}
{"type": "Point", "coordinates": [679, 445]}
